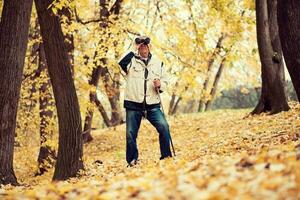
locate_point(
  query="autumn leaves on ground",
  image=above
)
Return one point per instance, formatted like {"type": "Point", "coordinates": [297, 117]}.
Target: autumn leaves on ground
{"type": "Point", "coordinates": [220, 155]}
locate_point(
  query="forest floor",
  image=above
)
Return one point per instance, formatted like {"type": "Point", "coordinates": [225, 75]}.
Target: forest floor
{"type": "Point", "coordinates": [220, 155]}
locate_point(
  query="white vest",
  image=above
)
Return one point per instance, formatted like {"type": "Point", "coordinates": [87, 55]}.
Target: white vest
{"type": "Point", "coordinates": [135, 80]}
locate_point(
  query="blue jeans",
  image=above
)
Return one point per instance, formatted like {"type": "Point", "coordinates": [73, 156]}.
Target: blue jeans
{"type": "Point", "coordinates": [133, 122]}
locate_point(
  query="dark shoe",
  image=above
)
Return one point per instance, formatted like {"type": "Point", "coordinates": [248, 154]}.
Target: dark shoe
{"type": "Point", "coordinates": [161, 158]}
{"type": "Point", "coordinates": [132, 163]}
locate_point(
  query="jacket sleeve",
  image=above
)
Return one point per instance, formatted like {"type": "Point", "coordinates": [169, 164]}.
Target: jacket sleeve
{"type": "Point", "coordinates": [163, 79]}
{"type": "Point", "coordinates": [125, 61]}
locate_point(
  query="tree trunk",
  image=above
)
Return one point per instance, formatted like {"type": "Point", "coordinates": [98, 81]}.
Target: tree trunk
{"type": "Point", "coordinates": [188, 107]}
{"type": "Point", "coordinates": [30, 102]}
{"type": "Point", "coordinates": [176, 106]}
{"type": "Point", "coordinates": [171, 105]}
{"type": "Point", "coordinates": [69, 37]}
{"type": "Point", "coordinates": [209, 69]}
{"type": "Point", "coordinates": [69, 157]}
{"type": "Point", "coordinates": [14, 28]}
{"type": "Point", "coordinates": [289, 29]}
{"type": "Point", "coordinates": [102, 111]}
{"type": "Point", "coordinates": [172, 102]}
{"type": "Point", "coordinates": [116, 117]}
{"type": "Point", "coordinates": [87, 137]}
{"type": "Point", "coordinates": [46, 155]}
{"type": "Point", "coordinates": [272, 96]}
{"type": "Point", "coordinates": [175, 103]}
{"type": "Point", "coordinates": [112, 89]}
{"type": "Point", "coordinates": [215, 85]}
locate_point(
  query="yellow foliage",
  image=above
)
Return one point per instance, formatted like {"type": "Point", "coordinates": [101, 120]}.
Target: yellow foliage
{"type": "Point", "coordinates": [220, 155]}
{"type": "Point", "coordinates": [184, 35]}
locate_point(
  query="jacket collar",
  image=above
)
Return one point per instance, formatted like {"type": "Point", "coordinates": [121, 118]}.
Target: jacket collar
{"type": "Point", "coordinates": [140, 59]}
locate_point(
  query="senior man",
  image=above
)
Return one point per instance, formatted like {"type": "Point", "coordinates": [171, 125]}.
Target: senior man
{"type": "Point", "coordinates": [145, 79]}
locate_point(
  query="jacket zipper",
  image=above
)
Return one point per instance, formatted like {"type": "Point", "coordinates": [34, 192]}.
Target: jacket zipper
{"type": "Point", "coordinates": [145, 91]}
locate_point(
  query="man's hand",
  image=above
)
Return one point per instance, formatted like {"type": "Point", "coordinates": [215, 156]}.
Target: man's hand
{"type": "Point", "coordinates": [137, 46]}
{"type": "Point", "coordinates": [156, 84]}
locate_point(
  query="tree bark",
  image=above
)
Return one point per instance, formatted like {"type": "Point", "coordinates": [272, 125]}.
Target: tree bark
{"type": "Point", "coordinates": [176, 106]}
{"type": "Point", "coordinates": [112, 89]}
{"type": "Point", "coordinates": [14, 28]}
{"type": "Point", "coordinates": [273, 95]}
{"type": "Point", "coordinates": [69, 157]}
{"type": "Point", "coordinates": [210, 63]}
{"type": "Point", "coordinates": [289, 30]}
{"type": "Point", "coordinates": [69, 37]}
{"type": "Point", "coordinates": [87, 137]}
{"type": "Point", "coordinates": [113, 93]}
{"type": "Point", "coordinates": [215, 85]}
{"type": "Point", "coordinates": [30, 102]}
{"type": "Point", "coordinates": [46, 155]}
{"type": "Point", "coordinates": [103, 112]}
{"type": "Point", "coordinates": [172, 102]}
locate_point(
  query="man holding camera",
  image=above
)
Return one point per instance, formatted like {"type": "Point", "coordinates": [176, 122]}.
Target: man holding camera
{"type": "Point", "coordinates": [145, 79]}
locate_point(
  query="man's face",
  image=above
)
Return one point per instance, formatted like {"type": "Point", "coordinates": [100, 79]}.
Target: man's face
{"type": "Point", "coordinates": [144, 50]}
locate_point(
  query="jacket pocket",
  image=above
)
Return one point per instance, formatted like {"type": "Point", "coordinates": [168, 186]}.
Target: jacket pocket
{"type": "Point", "coordinates": [155, 74]}
{"type": "Point", "coordinates": [136, 72]}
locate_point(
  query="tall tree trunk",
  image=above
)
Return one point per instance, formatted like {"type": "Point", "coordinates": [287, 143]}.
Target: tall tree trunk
{"type": "Point", "coordinates": [96, 73]}
{"type": "Point", "coordinates": [14, 28]}
{"type": "Point", "coordinates": [69, 37]}
{"type": "Point", "coordinates": [187, 108]}
{"type": "Point", "coordinates": [116, 117]}
{"type": "Point", "coordinates": [172, 102]}
{"type": "Point", "coordinates": [289, 29]}
{"type": "Point", "coordinates": [30, 102]}
{"type": "Point", "coordinates": [102, 112]}
{"type": "Point", "coordinates": [87, 137]}
{"type": "Point", "coordinates": [215, 85]}
{"type": "Point", "coordinates": [46, 155]}
{"type": "Point", "coordinates": [112, 89]}
{"type": "Point", "coordinates": [112, 86]}
{"type": "Point", "coordinates": [209, 69]}
{"type": "Point", "coordinates": [175, 102]}
{"type": "Point", "coordinates": [69, 157]}
{"type": "Point", "coordinates": [272, 96]}
{"type": "Point", "coordinates": [276, 43]}
{"type": "Point", "coordinates": [176, 106]}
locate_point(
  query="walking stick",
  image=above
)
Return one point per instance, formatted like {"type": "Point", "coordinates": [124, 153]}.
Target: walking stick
{"type": "Point", "coordinates": [162, 107]}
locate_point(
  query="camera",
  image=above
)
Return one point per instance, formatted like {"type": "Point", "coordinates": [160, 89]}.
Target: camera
{"type": "Point", "coordinates": [144, 41]}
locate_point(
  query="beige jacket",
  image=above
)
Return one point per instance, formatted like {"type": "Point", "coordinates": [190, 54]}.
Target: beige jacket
{"type": "Point", "coordinates": [136, 82]}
